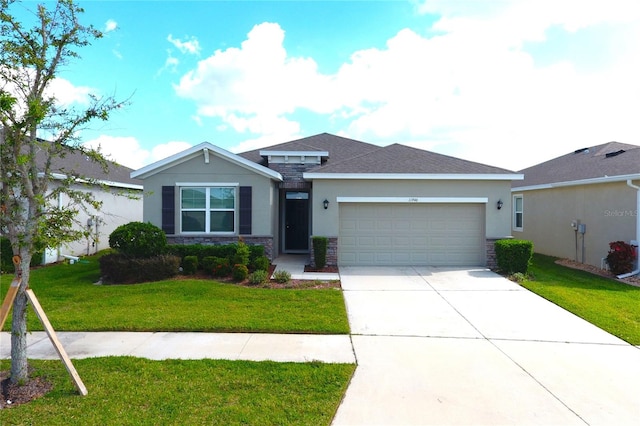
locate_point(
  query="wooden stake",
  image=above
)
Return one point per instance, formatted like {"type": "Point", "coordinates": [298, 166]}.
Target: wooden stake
{"type": "Point", "coordinates": [8, 300]}
{"type": "Point", "coordinates": [56, 343]}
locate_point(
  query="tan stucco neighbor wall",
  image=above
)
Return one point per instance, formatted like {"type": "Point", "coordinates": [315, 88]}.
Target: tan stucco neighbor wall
{"type": "Point", "coordinates": [608, 210]}
{"type": "Point", "coordinates": [119, 206]}
{"type": "Point", "coordinates": [326, 222]}
{"type": "Point", "coordinates": [218, 170]}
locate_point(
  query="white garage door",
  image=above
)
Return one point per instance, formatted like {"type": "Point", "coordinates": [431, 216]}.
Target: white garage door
{"type": "Point", "coordinates": [411, 234]}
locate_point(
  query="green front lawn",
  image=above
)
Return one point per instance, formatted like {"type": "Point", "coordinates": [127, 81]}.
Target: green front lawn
{"type": "Point", "coordinates": [134, 391]}
{"type": "Point", "coordinates": [610, 305]}
{"type": "Point", "coordinates": [73, 303]}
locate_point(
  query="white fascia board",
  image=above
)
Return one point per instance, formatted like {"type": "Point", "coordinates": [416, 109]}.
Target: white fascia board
{"type": "Point", "coordinates": [60, 176]}
{"type": "Point", "coordinates": [266, 153]}
{"type": "Point", "coordinates": [412, 176]}
{"type": "Point", "coordinates": [196, 150]}
{"type": "Point", "coordinates": [207, 184]}
{"type": "Point", "coordinates": [592, 181]}
{"type": "Point", "coordinates": [413, 200]}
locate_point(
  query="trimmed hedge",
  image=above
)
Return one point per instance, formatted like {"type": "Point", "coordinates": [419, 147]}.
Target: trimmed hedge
{"type": "Point", "coordinates": [119, 269]}
{"type": "Point", "coordinates": [514, 256]}
{"type": "Point", "coordinates": [190, 265]}
{"type": "Point", "coordinates": [6, 257]}
{"type": "Point", "coordinates": [137, 240]}
{"type": "Point", "coordinates": [320, 245]}
{"type": "Point", "coordinates": [251, 256]}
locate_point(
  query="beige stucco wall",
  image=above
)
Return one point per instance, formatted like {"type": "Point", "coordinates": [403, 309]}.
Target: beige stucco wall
{"type": "Point", "coordinates": [608, 211]}
{"type": "Point", "coordinates": [119, 206]}
{"type": "Point", "coordinates": [218, 170]}
{"type": "Point", "coordinates": [326, 222]}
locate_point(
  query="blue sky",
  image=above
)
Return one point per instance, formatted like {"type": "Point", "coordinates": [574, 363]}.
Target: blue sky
{"type": "Point", "coordinates": [504, 82]}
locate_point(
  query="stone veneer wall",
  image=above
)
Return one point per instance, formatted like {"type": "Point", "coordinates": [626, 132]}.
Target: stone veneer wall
{"type": "Point", "coordinates": [490, 249]}
{"type": "Point", "coordinates": [332, 252]}
{"type": "Point", "coordinates": [266, 242]}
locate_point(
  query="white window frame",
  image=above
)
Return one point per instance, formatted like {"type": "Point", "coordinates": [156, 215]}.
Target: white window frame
{"type": "Point", "coordinates": [517, 212]}
{"type": "Point", "coordinates": [208, 209]}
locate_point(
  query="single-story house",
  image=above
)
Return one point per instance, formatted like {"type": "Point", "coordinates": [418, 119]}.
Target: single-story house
{"type": "Point", "coordinates": [121, 198]}
{"type": "Point", "coordinates": [392, 205]}
{"type": "Point", "coordinates": [573, 206]}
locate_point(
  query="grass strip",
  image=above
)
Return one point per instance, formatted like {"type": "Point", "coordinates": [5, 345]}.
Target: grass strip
{"type": "Point", "coordinates": [73, 303]}
{"type": "Point", "coordinates": [135, 391]}
{"type": "Point", "coordinates": [604, 302]}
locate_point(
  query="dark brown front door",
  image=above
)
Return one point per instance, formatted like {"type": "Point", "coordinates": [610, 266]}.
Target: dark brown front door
{"type": "Point", "coordinates": [296, 222]}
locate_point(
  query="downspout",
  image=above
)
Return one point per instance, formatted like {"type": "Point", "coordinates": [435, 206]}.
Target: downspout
{"type": "Point", "coordinates": [637, 188]}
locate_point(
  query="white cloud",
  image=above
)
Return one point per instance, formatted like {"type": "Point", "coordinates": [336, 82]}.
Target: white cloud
{"type": "Point", "coordinates": [125, 150]}
{"type": "Point", "coordinates": [472, 88]}
{"type": "Point", "coordinates": [165, 150]}
{"type": "Point", "coordinates": [110, 25]}
{"type": "Point", "coordinates": [190, 46]}
{"type": "Point", "coordinates": [66, 93]}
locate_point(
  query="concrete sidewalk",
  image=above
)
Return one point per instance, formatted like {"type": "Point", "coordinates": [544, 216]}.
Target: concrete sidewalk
{"type": "Point", "coordinates": [161, 345]}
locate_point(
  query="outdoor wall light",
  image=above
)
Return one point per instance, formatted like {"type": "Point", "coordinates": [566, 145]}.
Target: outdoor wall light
{"type": "Point", "coordinates": [325, 203]}
{"type": "Point", "coordinates": [499, 204]}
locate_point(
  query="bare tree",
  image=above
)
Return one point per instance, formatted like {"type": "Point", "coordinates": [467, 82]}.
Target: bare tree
{"type": "Point", "coordinates": [36, 131]}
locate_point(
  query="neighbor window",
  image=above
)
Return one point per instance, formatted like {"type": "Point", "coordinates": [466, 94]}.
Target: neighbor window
{"type": "Point", "coordinates": [518, 212]}
{"type": "Point", "coordinates": [208, 209]}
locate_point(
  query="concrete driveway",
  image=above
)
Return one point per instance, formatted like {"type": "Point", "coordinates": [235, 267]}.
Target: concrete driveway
{"type": "Point", "coordinates": [468, 347]}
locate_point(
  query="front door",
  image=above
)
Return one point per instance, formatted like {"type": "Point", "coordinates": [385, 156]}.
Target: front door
{"type": "Point", "coordinates": [296, 222]}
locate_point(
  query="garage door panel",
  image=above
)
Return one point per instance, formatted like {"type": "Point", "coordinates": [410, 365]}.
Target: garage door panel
{"type": "Point", "coordinates": [411, 234]}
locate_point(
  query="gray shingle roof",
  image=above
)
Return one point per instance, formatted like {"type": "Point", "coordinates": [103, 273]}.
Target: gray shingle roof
{"type": "Point", "coordinates": [402, 159]}
{"type": "Point", "coordinates": [75, 163]}
{"type": "Point", "coordinates": [351, 156]}
{"type": "Point", "coordinates": [586, 163]}
{"type": "Point", "coordinates": [339, 148]}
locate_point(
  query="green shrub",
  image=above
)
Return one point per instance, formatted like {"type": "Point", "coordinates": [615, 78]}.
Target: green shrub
{"type": "Point", "coordinates": [240, 272]}
{"type": "Point", "coordinates": [258, 277]}
{"type": "Point", "coordinates": [221, 267]}
{"type": "Point", "coordinates": [190, 265]}
{"type": "Point", "coordinates": [261, 263]}
{"type": "Point", "coordinates": [6, 257]}
{"type": "Point", "coordinates": [116, 268]}
{"type": "Point", "coordinates": [241, 256]}
{"type": "Point", "coordinates": [138, 240]}
{"type": "Point", "coordinates": [514, 255]}
{"type": "Point", "coordinates": [208, 264]}
{"type": "Point", "coordinates": [320, 251]}
{"type": "Point", "coordinates": [620, 257]}
{"type": "Point", "coordinates": [255, 251]}
{"type": "Point", "coordinates": [282, 276]}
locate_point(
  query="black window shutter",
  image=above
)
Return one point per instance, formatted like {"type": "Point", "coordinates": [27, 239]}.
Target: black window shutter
{"type": "Point", "coordinates": [168, 209]}
{"type": "Point", "coordinates": [245, 210]}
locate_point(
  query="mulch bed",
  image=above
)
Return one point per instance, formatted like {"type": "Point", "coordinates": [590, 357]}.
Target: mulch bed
{"type": "Point", "coordinates": [14, 395]}
{"type": "Point", "coordinates": [634, 281]}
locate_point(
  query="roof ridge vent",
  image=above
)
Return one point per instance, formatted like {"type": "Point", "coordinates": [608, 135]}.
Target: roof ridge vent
{"type": "Point", "coordinates": [613, 154]}
{"type": "Point", "coordinates": [578, 151]}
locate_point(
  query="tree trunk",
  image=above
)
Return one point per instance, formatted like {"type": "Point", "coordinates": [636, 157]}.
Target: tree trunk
{"type": "Point", "coordinates": [19, 366]}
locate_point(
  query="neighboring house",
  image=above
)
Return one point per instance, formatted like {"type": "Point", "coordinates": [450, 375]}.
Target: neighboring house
{"type": "Point", "coordinates": [392, 205]}
{"type": "Point", "coordinates": [573, 206]}
{"type": "Point", "coordinates": [121, 198]}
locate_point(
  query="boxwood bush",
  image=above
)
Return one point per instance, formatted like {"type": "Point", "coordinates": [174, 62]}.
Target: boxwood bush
{"type": "Point", "coordinates": [320, 251]}
{"type": "Point", "coordinates": [138, 240]}
{"type": "Point", "coordinates": [514, 256]}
